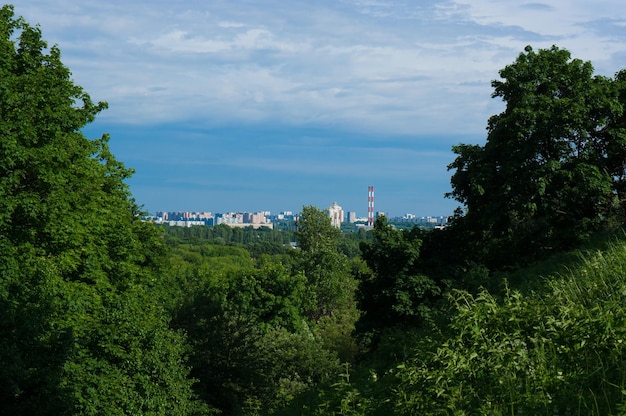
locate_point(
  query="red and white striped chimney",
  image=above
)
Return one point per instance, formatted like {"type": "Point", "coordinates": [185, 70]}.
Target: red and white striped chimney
{"type": "Point", "coordinates": [370, 206]}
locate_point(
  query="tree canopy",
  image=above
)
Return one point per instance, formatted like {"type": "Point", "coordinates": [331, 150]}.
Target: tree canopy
{"type": "Point", "coordinates": [80, 332]}
{"type": "Point", "coordinates": [325, 267]}
{"type": "Point", "coordinates": [552, 169]}
{"type": "Point", "coordinates": [395, 293]}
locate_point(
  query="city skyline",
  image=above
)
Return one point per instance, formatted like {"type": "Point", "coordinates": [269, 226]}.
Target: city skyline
{"type": "Point", "coordinates": [345, 214]}
{"type": "Point", "coordinates": [335, 212]}
{"type": "Point", "coordinates": [270, 105]}
{"type": "Point", "coordinates": [361, 211]}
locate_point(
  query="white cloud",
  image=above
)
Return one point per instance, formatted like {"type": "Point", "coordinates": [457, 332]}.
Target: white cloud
{"type": "Point", "coordinates": [396, 66]}
{"type": "Point", "coordinates": [181, 41]}
{"type": "Point", "coordinates": [562, 22]}
{"type": "Point", "coordinates": [231, 24]}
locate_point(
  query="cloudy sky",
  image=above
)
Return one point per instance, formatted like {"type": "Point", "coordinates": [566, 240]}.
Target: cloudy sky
{"type": "Point", "coordinates": [242, 105]}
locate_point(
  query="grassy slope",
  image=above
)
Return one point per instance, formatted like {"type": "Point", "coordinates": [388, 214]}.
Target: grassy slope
{"type": "Point", "coordinates": [553, 342]}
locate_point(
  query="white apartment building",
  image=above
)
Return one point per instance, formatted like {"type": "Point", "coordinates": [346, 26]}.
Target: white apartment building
{"type": "Point", "coordinates": [335, 212]}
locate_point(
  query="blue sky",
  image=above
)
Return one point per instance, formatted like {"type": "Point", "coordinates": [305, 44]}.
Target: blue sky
{"type": "Point", "coordinates": [242, 105]}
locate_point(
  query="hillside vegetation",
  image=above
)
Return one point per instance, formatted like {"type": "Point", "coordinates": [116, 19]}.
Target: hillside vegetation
{"type": "Point", "coordinates": [518, 307]}
{"type": "Point", "coordinates": [555, 349]}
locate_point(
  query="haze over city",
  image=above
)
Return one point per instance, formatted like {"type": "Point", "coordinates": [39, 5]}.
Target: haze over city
{"type": "Point", "coordinates": [268, 105]}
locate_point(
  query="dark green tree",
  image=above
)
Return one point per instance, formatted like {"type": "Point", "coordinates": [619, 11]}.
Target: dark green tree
{"type": "Point", "coordinates": [80, 333]}
{"type": "Point", "coordinates": [549, 171]}
{"type": "Point", "coordinates": [394, 294]}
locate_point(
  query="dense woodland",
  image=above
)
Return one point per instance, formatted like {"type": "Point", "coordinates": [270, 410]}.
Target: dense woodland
{"type": "Point", "coordinates": [517, 307]}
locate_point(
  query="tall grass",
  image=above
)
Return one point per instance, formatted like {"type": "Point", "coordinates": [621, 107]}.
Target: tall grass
{"type": "Point", "coordinates": [559, 350]}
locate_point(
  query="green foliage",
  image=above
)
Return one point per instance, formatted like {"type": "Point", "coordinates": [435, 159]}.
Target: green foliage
{"type": "Point", "coordinates": [125, 360]}
{"type": "Point", "coordinates": [250, 340]}
{"type": "Point", "coordinates": [31, 351]}
{"type": "Point", "coordinates": [325, 267]}
{"type": "Point", "coordinates": [341, 398]}
{"type": "Point", "coordinates": [557, 350]}
{"type": "Point", "coordinates": [226, 234]}
{"type": "Point", "coordinates": [560, 351]}
{"type": "Point", "coordinates": [394, 293]}
{"type": "Point", "coordinates": [366, 388]}
{"type": "Point", "coordinates": [80, 332]}
{"type": "Point", "coordinates": [257, 339]}
{"type": "Point", "coordinates": [551, 171]}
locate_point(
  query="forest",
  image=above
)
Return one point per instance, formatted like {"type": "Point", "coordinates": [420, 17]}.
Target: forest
{"type": "Point", "coordinates": [517, 307]}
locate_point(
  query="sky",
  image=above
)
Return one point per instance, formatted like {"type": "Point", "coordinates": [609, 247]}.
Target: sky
{"type": "Point", "coordinates": [272, 105]}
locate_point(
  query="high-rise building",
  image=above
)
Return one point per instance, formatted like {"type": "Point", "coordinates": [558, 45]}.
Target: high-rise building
{"type": "Point", "coordinates": [254, 218]}
{"type": "Point", "coordinates": [335, 212]}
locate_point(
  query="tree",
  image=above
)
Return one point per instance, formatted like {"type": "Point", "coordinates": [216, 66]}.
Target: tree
{"type": "Point", "coordinates": [549, 171]}
{"type": "Point", "coordinates": [79, 328]}
{"type": "Point", "coordinates": [395, 293]}
{"type": "Point", "coordinates": [251, 344]}
{"type": "Point", "coordinates": [325, 267]}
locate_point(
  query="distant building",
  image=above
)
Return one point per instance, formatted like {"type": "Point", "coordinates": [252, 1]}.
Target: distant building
{"type": "Point", "coordinates": [335, 212]}
{"type": "Point", "coordinates": [183, 216]}
{"type": "Point", "coordinates": [185, 223]}
{"type": "Point", "coordinates": [352, 217]}
{"type": "Point", "coordinates": [243, 219]}
{"type": "Point", "coordinates": [254, 218]}
{"type": "Point", "coordinates": [229, 218]}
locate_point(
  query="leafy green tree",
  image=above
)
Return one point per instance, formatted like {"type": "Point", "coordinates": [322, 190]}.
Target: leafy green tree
{"type": "Point", "coordinates": [612, 138]}
{"type": "Point", "coordinates": [547, 176]}
{"type": "Point", "coordinates": [394, 293]}
{"type": "Point", "coordinates": [80, 330]}
{"type": "Point", "coordinates": [251, 345]}
{"type": "Point", "coordinates": [324, 265]}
